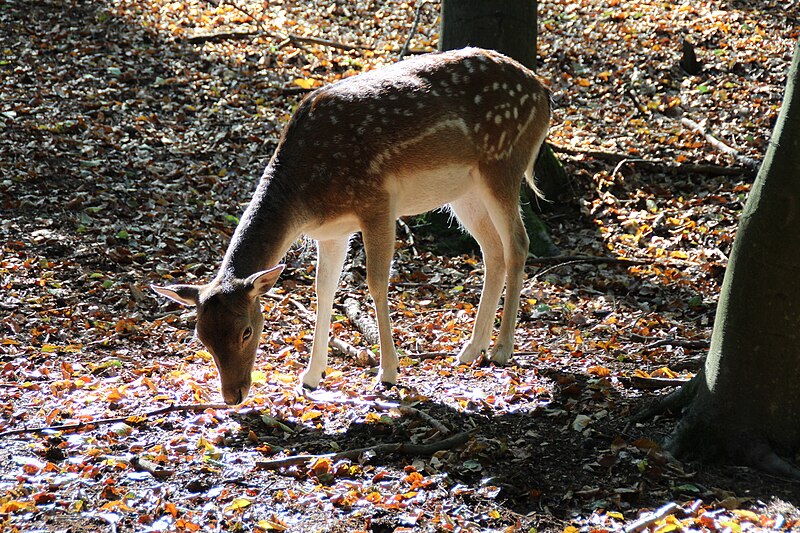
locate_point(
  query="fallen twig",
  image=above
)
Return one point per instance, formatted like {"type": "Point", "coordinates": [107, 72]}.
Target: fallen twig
{"type": "Point", "coordinates": [406, 410]}
{"type": "Point", "coordinates": [361, 356]}
{"type": "Point", "coordinates": [141, 464]}
{"type": "Point", "coordinates": [647, 383]}
{"type": "Point", "coordinates": [624, 162]}
{"type": "Point", "coordinates": [361, 320]}
{"type": "Point", "coordinates": [242, 10]}
{"type": "Point", "coordinates": [653, 164]}
{"type": "Point", "coordinates": [101, 421]}
{"type": "Point", "coordinates": [577, 260]}
{"type": "Point", "coordinates": [683, 343]}
{"type": "Point", "coordinates": [404, 448]}
{"type": "Point", "coordinates": [292, 38]}
{"type": "Point", "coordinates": [719, 145]}
{"type": "Point", "coordinates": [648, 519]}
{"type": "Point", "coordinates": [404, 50]}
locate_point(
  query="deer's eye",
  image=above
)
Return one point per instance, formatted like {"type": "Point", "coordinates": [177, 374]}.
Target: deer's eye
{"type": "Point", "coordinates": [248, 332]}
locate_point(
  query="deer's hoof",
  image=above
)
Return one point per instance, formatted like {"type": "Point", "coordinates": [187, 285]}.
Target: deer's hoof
{"type": "Point", "coordinates": [501, 354]}
{"type": "Point", "coordinates": [469, 354]}
{"type": "Point", "coordinates": [387, 377]}
{"type": "Point", "coordinates": [309, 382]}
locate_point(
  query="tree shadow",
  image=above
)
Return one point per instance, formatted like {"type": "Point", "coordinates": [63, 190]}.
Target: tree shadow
{"type": "Point", "coordinates": [563, 454]}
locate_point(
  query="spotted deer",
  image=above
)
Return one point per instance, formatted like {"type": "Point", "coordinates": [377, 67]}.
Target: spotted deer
{"type": "Point", "coordinates": [457, 128]}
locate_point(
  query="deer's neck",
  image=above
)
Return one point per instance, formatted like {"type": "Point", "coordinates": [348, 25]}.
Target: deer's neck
{"type": "Point", "coordinates": [267, 229]}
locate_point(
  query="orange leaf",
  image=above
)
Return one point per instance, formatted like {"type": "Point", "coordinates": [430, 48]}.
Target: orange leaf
{"type": "Point", "coordinates": [114, 396]}
{"type": "Point", "coordinates": [599, 371]}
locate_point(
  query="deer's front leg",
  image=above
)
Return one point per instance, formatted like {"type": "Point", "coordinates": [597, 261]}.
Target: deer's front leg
{"type": "Point", "coordinates": [330, 258]}
{"type": "Point", "coordinates": [379, 238]}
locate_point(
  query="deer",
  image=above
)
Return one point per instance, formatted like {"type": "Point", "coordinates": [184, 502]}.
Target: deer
{"type": "Point", "coordinates": [458, 129]}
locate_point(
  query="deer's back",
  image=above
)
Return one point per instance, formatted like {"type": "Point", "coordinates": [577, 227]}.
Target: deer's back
{"type": "Point", "coordinates": [462, 107]}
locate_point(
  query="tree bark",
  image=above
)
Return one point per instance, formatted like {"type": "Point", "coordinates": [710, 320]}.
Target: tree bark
{"type": "Point", "coordinates": [508, 26]}
{"type": "Point", "coordinates": [745, 402]}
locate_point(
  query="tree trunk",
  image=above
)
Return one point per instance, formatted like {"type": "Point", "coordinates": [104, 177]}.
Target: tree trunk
{"type": "Point", "coordinates": [510, 27]}
{"type": "Point", "coordinates": [744, 404]}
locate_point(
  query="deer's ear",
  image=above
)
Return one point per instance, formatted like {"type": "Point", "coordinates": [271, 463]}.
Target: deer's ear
{"type": "Point", "coordinates": [183, 294]}
{"type": "Point", "coordinates": [261, 282]}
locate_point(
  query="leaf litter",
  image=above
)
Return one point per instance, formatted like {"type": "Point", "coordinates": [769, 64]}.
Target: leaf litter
{"type": "Point", "coordinates": [130, 147]}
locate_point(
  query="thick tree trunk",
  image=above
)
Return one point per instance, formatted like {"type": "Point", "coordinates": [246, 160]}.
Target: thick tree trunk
{"type": "Point", "coordinates": [745, 403]}
{"type": "Point", "coordinates": [510, 27]}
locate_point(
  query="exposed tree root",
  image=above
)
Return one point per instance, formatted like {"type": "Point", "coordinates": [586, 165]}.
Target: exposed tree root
{"type": "Point", "coordinates": [759, 454]}
{"type": "Point", "coordinates": [675, 401]}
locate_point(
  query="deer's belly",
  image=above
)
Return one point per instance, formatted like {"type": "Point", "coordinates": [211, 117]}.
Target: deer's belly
{"type": "Point", "coordinates": [422, 190]}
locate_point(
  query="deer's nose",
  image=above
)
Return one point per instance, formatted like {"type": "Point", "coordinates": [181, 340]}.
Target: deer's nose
{"type": "Point", "coordinates": [234, 399]}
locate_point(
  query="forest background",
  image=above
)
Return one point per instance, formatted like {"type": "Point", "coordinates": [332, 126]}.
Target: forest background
{"type": "Point", "coordinates": [132, 136]}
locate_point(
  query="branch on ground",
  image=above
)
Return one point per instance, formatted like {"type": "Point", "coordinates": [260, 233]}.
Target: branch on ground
{"type": "Point", "coordinates": [132, 418]}
{"type": "Point", "coordinates": [382, 450]}
{"type": "Point", "coordinates": [291, 38]}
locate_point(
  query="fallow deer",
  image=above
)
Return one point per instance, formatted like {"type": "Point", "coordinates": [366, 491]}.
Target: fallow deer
{"type": "Point", "coordinates": [457, 128]}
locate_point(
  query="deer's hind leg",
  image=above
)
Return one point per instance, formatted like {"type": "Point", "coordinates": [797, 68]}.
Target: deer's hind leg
{"type": "Point", "coordinates": [502, 205]}
{"type": "Point", "coordinates": [473, 215]}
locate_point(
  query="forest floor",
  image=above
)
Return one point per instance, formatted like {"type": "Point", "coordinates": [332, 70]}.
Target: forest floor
{"type": "Point", "coordinates": [132, 133]}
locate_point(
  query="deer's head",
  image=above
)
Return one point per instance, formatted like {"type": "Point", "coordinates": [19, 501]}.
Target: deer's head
{"type": "Point", "coordinates": [229, 324]}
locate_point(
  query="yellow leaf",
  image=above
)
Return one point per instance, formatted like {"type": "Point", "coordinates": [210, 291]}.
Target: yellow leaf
{"type": "Point", "coordinates": [283, 378]}
{"type": "Point", "coordinates": [305, 83]}
{"type": "Point", "coordinates": [15, 506]}
{"type": "Point", "coordinates": [321, 465]}
{"type": "Point", "coordinates": [237, 504]}
{"type": "Point", "coordinates": [748, 516]}
{"type": "Point", "coordinates": [116, 505]}
{"type": "Point", "coordinates": [733, 526]}
{"type": "Point", "coordinates": [310, 415]}
{"type": "Point", "coordinates": [273, 524]}
{"type": "Point", "coordinates": [666, 528]}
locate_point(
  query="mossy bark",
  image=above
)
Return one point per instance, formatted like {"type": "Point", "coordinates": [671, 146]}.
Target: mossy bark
{"type": "Point", "coordinates": [745, 403]}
